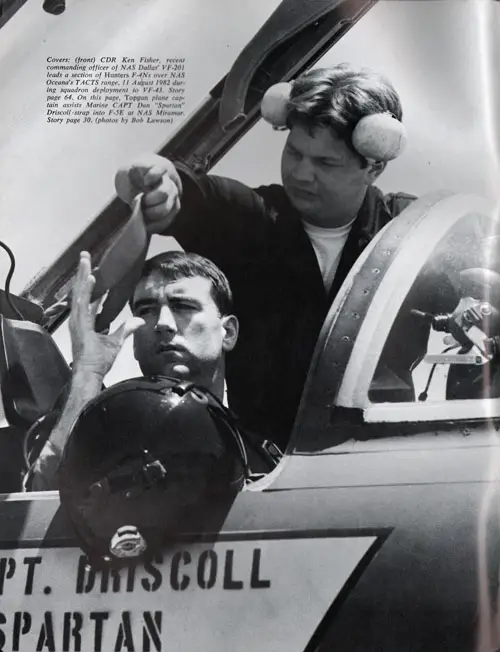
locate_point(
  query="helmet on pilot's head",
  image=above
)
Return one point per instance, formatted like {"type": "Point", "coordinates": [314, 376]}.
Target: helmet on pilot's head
{"type": "Point", "coordinates": [145, 461]}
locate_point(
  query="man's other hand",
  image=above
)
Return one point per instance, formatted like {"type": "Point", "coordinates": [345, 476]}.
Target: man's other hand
{"type": "Point", "coordinates": [158, 180]}
{"type": "Point", "coordinates": [93, 353]}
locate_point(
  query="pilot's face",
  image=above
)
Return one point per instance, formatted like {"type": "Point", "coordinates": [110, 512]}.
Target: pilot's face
{"type": "Point", "coordinates": [184, 335]}
{"type": "Point", "coordinates": [324, 179]}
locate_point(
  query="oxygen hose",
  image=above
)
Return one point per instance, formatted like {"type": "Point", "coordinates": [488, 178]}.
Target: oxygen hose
{"type": "Point", "coordinates": [8, 279]}
{"type": "Point", "coordinates": [424, 394]}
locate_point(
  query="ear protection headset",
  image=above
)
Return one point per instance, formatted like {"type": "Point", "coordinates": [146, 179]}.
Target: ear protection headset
{"type": "Point", "coordinates": [378, 137]}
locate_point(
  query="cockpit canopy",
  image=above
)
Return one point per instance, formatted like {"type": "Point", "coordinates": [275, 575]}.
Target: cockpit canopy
{"type": "Point", "coordinates": [414, 333]}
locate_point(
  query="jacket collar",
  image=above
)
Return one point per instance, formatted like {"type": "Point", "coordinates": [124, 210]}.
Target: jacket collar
{"type": "Point", "coordinates": [293, 242]}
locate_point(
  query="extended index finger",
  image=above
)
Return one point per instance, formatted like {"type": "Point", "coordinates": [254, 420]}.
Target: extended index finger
{"type": "Point", "coordinates": [82, 287]}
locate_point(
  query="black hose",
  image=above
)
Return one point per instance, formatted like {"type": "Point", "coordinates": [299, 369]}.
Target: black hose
{"type": "Point", "coordinates": [424, 394]}
{"type": "Point", "coordinates": [8, 279]}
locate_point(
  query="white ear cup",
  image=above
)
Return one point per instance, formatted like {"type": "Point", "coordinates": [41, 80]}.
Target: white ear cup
{"type": "Point", "coordinates": [379, 136]}
{"type": "Point", "coordinates": [274, 104]}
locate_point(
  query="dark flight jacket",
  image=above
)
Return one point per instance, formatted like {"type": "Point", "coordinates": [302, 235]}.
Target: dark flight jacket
{"type": "Point", "coordinates": [256, 237]}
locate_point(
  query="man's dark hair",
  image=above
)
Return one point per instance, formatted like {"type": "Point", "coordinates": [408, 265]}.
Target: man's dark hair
{"type": "Point", "coordinates": [339, 97]}
{"type": "Point", "coordinates": [176, 265]}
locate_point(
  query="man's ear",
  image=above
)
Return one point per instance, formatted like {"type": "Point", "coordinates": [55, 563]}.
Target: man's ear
{"type": "Point", "coordinates": [373, 170]}
{"type": "Point", "coordinates": [231, 328]}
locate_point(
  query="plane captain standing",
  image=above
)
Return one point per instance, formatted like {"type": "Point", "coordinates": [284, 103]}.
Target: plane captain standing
{"type": "Point", "coordinates": [286, 249]}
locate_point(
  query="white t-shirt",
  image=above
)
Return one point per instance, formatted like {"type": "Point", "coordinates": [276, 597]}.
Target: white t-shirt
{"type": "Point", "coordinates": [328, 245]}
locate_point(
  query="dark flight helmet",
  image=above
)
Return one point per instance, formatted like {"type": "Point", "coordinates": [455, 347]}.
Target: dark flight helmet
{"type": "Point", "coordinates": [144, 462]}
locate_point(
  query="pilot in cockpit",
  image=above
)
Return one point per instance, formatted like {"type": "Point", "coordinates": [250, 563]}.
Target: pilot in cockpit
{"type": "Point", "coordinates": [183, 328]}
{"type": "Point", "coordinates": [139, 462]}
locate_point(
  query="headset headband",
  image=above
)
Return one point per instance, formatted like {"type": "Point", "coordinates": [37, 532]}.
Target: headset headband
{"type": "Point", "coordinates": [377, 137]}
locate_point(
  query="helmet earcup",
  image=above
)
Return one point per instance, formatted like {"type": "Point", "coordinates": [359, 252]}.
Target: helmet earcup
{"type": "Point", "coordinates": [274, 105]}
{"type": "Point", "coordinates": [380, 137]}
